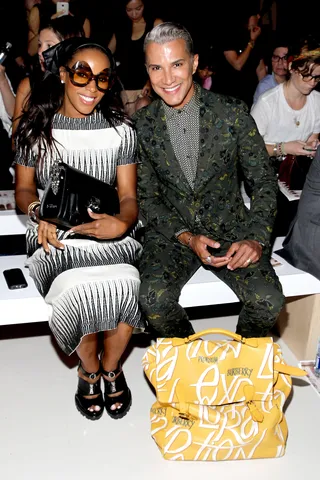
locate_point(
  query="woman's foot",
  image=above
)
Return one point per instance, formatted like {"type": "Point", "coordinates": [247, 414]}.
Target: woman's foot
{"type": "Point", "coordinates": [117, 395]}
{"type": "Point", "coordinates": [89, 399]}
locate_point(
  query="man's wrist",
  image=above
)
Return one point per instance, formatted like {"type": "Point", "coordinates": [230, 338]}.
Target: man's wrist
{"type": "Point", "coordinates": [185, 238]}
{"type": "Point", "coordinates": [262, 245]}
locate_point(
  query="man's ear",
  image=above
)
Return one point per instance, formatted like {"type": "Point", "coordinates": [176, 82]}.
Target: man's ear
{"type": "Point", "coordinates": [62, 73]}
{"type": "Point", "coordinates": [195, 63]}
{"type": "Point", "coordinates": [289, 66]}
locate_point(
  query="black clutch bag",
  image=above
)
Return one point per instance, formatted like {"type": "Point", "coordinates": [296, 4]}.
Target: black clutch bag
{"type": "Point", "coordinates": [70, 192]}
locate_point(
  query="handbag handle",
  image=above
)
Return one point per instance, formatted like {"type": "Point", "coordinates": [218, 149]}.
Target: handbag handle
{"type": "Point", "coordinates": [251, 342]}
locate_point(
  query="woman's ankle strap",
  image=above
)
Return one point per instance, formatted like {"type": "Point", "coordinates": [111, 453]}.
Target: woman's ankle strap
{"type": "Point", "coordinates": [111, 374]}
{"type": "Point", "coordinates": [92, 376]}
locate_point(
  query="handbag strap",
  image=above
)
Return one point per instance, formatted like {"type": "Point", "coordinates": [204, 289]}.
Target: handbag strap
{"type": "Point", "coordinates": [288, 370]}
{"type": "Point", "coordinates": [251, 342]}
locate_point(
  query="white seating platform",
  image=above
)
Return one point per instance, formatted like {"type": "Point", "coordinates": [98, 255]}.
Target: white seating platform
{"type": "Point", "coordinates": [204, 288]}
{"type": "Point", "coordinates": [26, 305]}
{"type": "Point", "coordinates": [299, 323]}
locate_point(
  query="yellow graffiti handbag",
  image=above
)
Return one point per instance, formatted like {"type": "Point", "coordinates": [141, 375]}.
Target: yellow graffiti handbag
{"type": "Point", "coordinates": [218, 400]}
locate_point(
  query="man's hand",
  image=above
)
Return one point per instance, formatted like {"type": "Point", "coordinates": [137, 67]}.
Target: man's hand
{"type": "Point", "coordinates": [244, 253]}
{"type": "Point", "coordinates": [200, 243]}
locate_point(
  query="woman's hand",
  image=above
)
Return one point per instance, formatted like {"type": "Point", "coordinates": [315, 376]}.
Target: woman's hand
{"type": "Point", "coordinates": [103, 227]}
{"type": "Point", "coordinates": [47, 234]}
{"type": "Point", "coordinates": [298, 147]}
{"type": "Point", "coordinates": [60, 14]}
{"type": "Point", "coordinates": [255, 31]}
{"type": "Point", "coordinates": [312, 145]}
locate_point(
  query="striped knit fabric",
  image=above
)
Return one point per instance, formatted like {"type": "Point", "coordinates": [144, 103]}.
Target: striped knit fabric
{"type": "Point", "coordinates": [89, 297]}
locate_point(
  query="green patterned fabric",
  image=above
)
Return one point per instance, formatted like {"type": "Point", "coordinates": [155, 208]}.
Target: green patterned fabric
{"type": "Point", "coordinates": [230, 149]}
{"type": "Point", "coordinates": [166, 266]}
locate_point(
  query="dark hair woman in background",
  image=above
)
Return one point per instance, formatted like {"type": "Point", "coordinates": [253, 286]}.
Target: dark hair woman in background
{"type": "Point", "coordinates": [127, 45]}
{"type": "Point", "coordinates": [51, 34]}
{"type": "Point", "coordinates": [41, 14]}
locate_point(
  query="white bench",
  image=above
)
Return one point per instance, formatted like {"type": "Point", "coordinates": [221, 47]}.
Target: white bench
{"type": "Point", "coordinates": [299, 323]}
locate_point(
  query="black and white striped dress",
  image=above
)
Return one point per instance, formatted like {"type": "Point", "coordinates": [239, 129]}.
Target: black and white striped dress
{"type": "Point", "coordinates": [91, 285]}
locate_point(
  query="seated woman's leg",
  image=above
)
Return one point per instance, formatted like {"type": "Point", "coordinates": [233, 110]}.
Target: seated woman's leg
{"type": "Point", "coordinates": [165, 267]}
{"type": "Point", "coordinates": [117, 393]}
{"type": "Point", "coordinates": [260, 291]}
{"type": "Point", "coordinates": [87, 301]}
{"type": "Point", "coordinates": [89, 400]}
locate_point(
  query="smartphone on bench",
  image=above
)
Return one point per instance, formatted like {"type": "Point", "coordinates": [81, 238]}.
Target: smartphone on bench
{"type": "Point", "coordinates": [15, 278]}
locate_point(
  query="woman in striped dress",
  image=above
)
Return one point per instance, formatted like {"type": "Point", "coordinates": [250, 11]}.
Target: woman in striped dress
{"type": "Point", "coordinates": [87, 274]}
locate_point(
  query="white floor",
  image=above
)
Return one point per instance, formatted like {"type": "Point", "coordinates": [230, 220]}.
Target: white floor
{"type": "Point", "coordinates": [43, 437]}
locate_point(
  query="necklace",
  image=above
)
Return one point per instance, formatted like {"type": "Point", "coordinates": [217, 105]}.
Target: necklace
{"type": "Point", "coordinates": [296, 121]}
{"type": "Point", "coordinates": [287, 97]}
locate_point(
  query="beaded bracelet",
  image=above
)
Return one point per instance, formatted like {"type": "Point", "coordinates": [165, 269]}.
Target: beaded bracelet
{"type": "Point", "coordinates": [281, 149]}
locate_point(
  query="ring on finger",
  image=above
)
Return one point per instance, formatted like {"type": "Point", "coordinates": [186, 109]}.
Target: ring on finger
{"type": "Point", "coordinates": [249, 261]}
{"type": "Point", "coordinates": [208, 259]}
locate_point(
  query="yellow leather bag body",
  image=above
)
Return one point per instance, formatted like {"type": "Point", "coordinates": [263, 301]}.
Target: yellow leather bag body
{"type": "Point", "coordinates": [218, 400]}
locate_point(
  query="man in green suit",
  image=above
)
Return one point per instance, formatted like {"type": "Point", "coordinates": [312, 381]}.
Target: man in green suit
{"type": "Point", "coordinates": [195, 147]}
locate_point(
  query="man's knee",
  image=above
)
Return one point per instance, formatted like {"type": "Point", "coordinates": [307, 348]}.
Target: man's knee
{"type": "Point", "coordinates": [260, 314]}
{"type": "Point", "coordinates": [267, 297]}
{"type": "Point", "coordinates": [153, 295]}
{"type": "Point", "coordinates": [278, 302]}
{"type": "Point", "coordinates": [163, 314]}
{"type": "Point", "coordinates": [156, 300]}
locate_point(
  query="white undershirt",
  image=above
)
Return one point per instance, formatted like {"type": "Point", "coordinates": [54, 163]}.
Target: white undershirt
{"type": "Point", "coordinates": [278, 122]}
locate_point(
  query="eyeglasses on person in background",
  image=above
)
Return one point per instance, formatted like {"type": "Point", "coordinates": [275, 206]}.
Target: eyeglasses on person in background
{"type": "Point", "coordinates": [307, 77]}
{"type": "Point", "coordinates": [278, 59]}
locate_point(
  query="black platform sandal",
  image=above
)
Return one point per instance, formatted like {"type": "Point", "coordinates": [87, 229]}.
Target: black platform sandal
{"type": "Point", "coordinates": [85, 388]}
{"type": "Point", "coordinates": [113, 386]}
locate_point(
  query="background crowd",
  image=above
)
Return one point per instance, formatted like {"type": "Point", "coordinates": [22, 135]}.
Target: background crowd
{"type": "Point", "coordinates": [244, 50]}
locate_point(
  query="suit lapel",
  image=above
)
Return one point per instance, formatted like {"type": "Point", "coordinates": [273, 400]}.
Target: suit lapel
{"type": "Point", "coordinates": [167, 158]}
{"type": "Point", "coordinates": [207, 145]}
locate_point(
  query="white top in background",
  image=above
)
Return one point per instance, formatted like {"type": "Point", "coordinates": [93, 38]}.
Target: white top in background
{"type": "Point", "coordinates": [276, 120]}
{"type": "Point", "coordinates": [4, 117]}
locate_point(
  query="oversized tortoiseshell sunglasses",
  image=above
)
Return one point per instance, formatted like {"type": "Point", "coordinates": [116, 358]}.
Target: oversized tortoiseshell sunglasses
{"type": "Point", "coordinates": [81, 75]}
